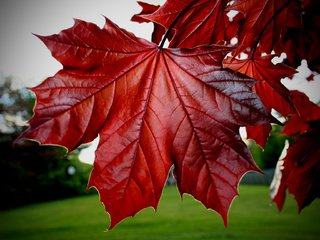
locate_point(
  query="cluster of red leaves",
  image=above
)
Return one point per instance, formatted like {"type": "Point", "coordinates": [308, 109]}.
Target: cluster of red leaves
{"type": "Point", "coordinates": [155, 108]}
{"type": "Point", "coordinates": [300, 169]}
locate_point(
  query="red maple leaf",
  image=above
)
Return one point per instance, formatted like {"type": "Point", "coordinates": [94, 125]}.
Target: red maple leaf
{"type": "Point", "coordinates": [201, 22]}
{"type": "Point", "coordinates": [295, 125]}
{"type": "Point", "coordinates": [259, 133]}
{"type": "Point", "coordinates": [159, 30]}
{"type": "Point", "coordinates": [153, 108]}
{"type": "Point", "coordinates": [303, 41]}
{"type": "Point", "coordinates": [264, 22]}
{"type": "Point", "coordinates": [306, 113]}
{"type": "Point", "coordinates": [300, 170]}
{"type": "Point", "coordinates": [272, 93]}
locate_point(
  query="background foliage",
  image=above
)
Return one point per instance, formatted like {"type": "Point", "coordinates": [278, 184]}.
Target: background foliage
{"type": "Point", "coordinates": [29, 172]}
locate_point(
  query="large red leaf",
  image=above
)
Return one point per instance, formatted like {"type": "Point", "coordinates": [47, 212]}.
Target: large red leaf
{"type": "Point", "coordinates": [201, 22]}
{"type": "Point", "coordinates": [272, 93]}
{"type": "Point", "coordinates": [152, 108]}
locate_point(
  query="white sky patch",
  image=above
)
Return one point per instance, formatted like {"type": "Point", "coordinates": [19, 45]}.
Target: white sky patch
{"type": "Point", "coordinates": [299, 82]}
{"type": "Point", "coordinates": [231, 14]}
{"type": "Point", "coordinates": [25, 57]}
{"type": "Point", "coordinates": [278, 116]}
{"type": "Point", "coordinates": [304, 70]}
{"type": "Point", "coordinates": [243, 56]}
{"type": "Point", "coordinates": [87, 155]}
{"type": "Point", "coordinates": [279, 59]}
{"type": "Point", "coordinates": [243, 133]}
{"type": "Point", "coordinates": [234, 41]}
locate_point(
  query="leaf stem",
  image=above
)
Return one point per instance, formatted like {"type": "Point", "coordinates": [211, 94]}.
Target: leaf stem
{"type": "Point", "coordinates": [267, 24]}
{"type": "Point", "coordinates": [166, 35]}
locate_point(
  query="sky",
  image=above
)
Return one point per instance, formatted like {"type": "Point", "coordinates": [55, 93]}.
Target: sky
{"type": "Point", "coordinates": [24, 57]}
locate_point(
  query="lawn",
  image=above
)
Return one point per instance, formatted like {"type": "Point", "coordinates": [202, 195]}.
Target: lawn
{"type": "Point", "coordinates": [251, 217]}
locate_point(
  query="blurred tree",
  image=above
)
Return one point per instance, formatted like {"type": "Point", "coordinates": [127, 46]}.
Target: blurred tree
{"type": "Point", "coordinates": [267, 158]}
{"type": "Point", "coordinates": [15, 106]}
{"type": "Point", "coordinates": [29, 172]}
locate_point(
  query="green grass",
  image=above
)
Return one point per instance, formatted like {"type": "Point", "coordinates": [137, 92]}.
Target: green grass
{"type": "Point", "coordinates": [251, 217]}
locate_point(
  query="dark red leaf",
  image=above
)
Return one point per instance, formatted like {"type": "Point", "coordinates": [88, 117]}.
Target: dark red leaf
{"type": "Point", "coordinates": [264, 22]}
{"type": "Point", "coordinates": [311, 77]}
{"type": "Point", "coordinates": [301, 168]}
{"type": "Point", "coordinates": [205, 22]}
{"type": "Point", "coordinates": [300, 172]}
{"type": "Point", "coordinates": [152, 108]}
{"type": "Point", "coordinates": [307, 112]}
{"type": "Point", "coordinates": [147, 9]}
{"type": "Point", "coordinates": [270, 89]}
{"type": "Point", "coordinates": [259, 133]}
{"type": "Point", "coordinates": [302, 42]}
{"type": "Point", "coordinates": [295, 125]}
